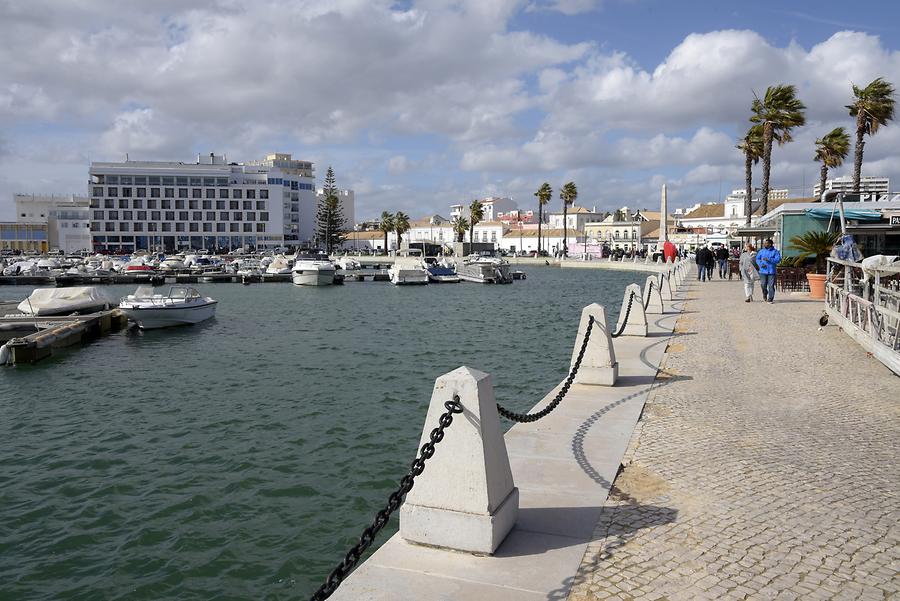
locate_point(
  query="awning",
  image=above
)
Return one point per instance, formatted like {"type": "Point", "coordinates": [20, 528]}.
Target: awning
{"type": "Point", "coordinates": [854, 214]}
{"type": "Point", "coordinates": [753, 232]}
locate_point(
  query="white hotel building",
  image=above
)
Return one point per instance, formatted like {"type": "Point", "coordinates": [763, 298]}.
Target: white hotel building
{"type": "Point", "coordinates": [211, 204]}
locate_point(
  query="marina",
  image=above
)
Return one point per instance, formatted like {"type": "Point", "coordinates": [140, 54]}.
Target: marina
{"type": "Point", "coordinates": [257, 469]}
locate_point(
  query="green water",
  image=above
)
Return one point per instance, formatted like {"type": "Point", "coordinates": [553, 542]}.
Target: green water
{"type": "Point", "coordinates": [240, 458]}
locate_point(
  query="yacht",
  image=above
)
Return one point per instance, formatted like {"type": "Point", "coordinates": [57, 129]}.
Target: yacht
{"type": "Point", "coordinates": [312, 268]}
{"type": "Point", "coordinates": [485, 269]}
{"type": "Point", "coordinates": [408, 268]}
{"type": "Point", "coordinates": [181, 306]}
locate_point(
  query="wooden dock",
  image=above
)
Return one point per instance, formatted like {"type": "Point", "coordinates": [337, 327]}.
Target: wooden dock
{"type": "Point", "coordinates": [30, 339]}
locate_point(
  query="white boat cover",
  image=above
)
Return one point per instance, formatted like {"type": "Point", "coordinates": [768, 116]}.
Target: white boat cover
{"type": "Point", "coordinates": [56, 301]}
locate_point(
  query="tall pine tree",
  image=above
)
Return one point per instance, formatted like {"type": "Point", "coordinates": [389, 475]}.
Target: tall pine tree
{"type": "Point", "coordinates": [329, 216]}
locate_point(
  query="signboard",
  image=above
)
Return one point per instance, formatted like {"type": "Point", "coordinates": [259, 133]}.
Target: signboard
{"type": "Point", "coordinates": [895, 219]}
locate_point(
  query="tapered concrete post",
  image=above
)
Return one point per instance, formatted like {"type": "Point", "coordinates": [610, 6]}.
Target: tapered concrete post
{"type": "Point", "coordinates": [653, 297]}
{"type": "Point", "coordinates": [676, 276]}
{"type": "Point", "coordinates": [646, 258]}
{"type": "Point", "coordinates": [659, 260]}
{"type": "Point", "coordinates": [665, 286]}
{"type": "Point", "coordinates": [465, 499]}
{"type": "Point", "coordinates": [637, 320]}
{"type": "Point", "coordinates": [599, 366]}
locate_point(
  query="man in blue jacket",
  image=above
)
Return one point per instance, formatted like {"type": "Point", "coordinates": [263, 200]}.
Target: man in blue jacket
{"type": "Point", "coordinates": [768, 258]}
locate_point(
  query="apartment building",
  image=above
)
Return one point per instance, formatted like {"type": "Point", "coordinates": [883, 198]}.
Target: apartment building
{"type": "Point", "coordinates": [210, 204]}
{"type": "Point", "coordinates": [872, 187]}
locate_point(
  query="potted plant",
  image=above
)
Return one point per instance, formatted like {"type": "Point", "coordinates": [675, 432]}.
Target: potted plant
{"type": "Point", "coordinates": [816, 244]}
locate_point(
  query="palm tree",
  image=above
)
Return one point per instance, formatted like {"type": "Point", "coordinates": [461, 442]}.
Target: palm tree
{"type": "Point", "coordinates": [544, 194]}
{"type": "Point", "coordinates": [386, 226]}
{"type": "Point", "coordinates": [831, 150]}
{"type": "Point", "coordinates": [459, 224]}
{"type": "Point", "coordinates": [401, 225]}
{"type": "Point", "coordinates": [568, 194]}
{"type": "Point", "coordinates": [873, 107]}
{"type": "Point", "coordinates": [815, 244]}
{"type": "Point", "coordinates": [778, 112]}
{"type": "Point", "coordinates": [476, 214]}
{"type": "Point", "coordinates": [752, 147]}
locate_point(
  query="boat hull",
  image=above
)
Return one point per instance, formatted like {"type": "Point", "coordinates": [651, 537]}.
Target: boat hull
{"type": "Point", "coordinates": [152, 318]}
{"type": "Point", "coordinates": [313, 277]}
{"type": "Point", "coordinates": [408, 277]}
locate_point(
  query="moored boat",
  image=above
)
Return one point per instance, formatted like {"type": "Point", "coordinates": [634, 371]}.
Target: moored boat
{"type": "Point", "coordinates": [484, 269]}
{"type": "Point", "coordinates": [408, 268]}
{"type": "Point", "coordinates": [312, 268]}
{"type": "Point", "coordinates": [182, 305]}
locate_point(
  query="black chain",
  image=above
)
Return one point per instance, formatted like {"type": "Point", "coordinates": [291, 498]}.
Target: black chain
{"type": "Point", "coordinates": [394, 500]}
{"type": "Point", "coordinates": [533, 417]}
{"type": "Point", "coordinates": [627, 313]}
{"type": "Point", "coordinates": [650, 285]}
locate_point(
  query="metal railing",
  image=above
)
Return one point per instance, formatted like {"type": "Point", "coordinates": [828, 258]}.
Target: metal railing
{"type": "Point", "coordinates": [867, 300]}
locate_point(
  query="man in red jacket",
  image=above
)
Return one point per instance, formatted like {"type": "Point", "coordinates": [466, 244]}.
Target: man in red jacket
{"type": "Point", "coordinates": [669, 251]}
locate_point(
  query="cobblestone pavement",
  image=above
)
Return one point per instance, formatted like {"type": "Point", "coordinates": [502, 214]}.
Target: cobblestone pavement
{"type": "Point", "coordinates": [765, 465]}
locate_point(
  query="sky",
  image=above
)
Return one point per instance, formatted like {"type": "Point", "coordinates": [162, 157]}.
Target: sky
{"type": "Point", "coordinates": [420, 104]}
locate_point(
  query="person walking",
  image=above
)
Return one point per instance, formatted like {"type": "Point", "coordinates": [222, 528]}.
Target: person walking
{"type": "Point", "coordinates": [722, 261]}
{"type": "Point", "coordinates": [748, 270]}
{"type": "Point", "coordinates": [710, 263]}
{"type": "Point", "coordinates": [700, 260]}
{"type": "Point", "coordinates": [768, 259]}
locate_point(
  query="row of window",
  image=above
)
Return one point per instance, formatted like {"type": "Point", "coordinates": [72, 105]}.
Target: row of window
{"type": "Point", "coordinates": [181, 216]}
{"type": "Point", "coordinates": [292, 184]}
{"type": "Point", "coordinates": [137, 203]}
{"type": "Point", "coordinates": [156, 180]}
{"type": "Point", "coordinates": [178, 227]}
{"type": "Point", "coordinates": [128, 192]}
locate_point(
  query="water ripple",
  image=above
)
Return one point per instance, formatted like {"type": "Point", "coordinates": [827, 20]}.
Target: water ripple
{"type": "Point", "coordinates": [241, 458]}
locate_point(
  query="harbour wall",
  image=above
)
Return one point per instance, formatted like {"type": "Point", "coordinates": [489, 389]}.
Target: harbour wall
{"type": "Point", "coordinates": [460, 536]}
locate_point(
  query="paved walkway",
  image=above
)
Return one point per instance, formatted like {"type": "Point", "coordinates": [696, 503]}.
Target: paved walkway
{"type": "Point", "coordinates": [766, 465]}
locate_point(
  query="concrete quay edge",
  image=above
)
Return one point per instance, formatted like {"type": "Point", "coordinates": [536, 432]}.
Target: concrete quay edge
{"type": "Point", "coordinates": [563, 466]}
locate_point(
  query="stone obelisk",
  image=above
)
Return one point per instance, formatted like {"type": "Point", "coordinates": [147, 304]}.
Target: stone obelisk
{"type": "Point", "coordinates": [663, 220]}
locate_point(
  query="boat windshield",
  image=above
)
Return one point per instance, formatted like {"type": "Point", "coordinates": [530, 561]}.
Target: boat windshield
{"type": "Point", "coordinates": [143, 292]}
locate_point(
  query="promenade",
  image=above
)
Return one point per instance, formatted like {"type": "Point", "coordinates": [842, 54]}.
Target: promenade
{"type": "Point", "coordinates": [765, 464]}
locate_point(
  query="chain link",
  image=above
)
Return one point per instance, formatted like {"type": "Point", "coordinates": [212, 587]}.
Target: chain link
{"type": "Point", "coordinates": [627, 313]}
{"type": "Point", "coordinates": [533, 417]}
{"type": "Point", "coordinates": [650, 285]}
{"type": "Point", "coordinates": [395, 499]}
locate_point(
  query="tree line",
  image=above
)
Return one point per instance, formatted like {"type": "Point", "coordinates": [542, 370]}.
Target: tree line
{"type": "Point", "coordinates": [779, 111]}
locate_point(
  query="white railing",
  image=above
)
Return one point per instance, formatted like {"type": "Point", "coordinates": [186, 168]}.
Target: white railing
{"type": "Point", "coordinates": [869, 304]}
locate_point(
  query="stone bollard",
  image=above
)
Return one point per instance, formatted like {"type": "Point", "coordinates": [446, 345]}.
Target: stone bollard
{"type": "Point", "coordinates": [676, 277]}
{"type": "Point", "coordinates": [647, 259]}
{"type": "Point", "coordinates": [659, 260]}
{"type": "Point", "coordinates": [599, 366]}
{"type": "Point", "coordinates": [665, 286]}
{"type": "Point", "coordinates": [465, 499]}
{"type": "Point", "coordinates": [651, 292]}
{"type": "Point", "coordinates": [637, 319]}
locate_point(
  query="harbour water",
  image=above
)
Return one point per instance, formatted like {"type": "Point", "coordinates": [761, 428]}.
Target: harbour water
{"type": "Point", "coordinates": [239, 459]}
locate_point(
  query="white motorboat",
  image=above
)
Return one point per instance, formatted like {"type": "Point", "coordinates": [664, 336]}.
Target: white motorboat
{"type": "Point", "coordinates": [21, 268]}
{"type": "Point", "coordinates": [171, 264]}
{"type": "Point", "coordinates": [484, 269]}
{"type": "Point", "coordinates": [279, 265]}
{"type": "Point", "coordinates": [408, 268]}
{"type": "Point", "coordinates": [312, 268]}
{"type": "Point", "coordinates": [181, 306]}
{"type": "Point", "coordinates": [348, 263]}
{"type": "Point", "coordinates": [65, 301]}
